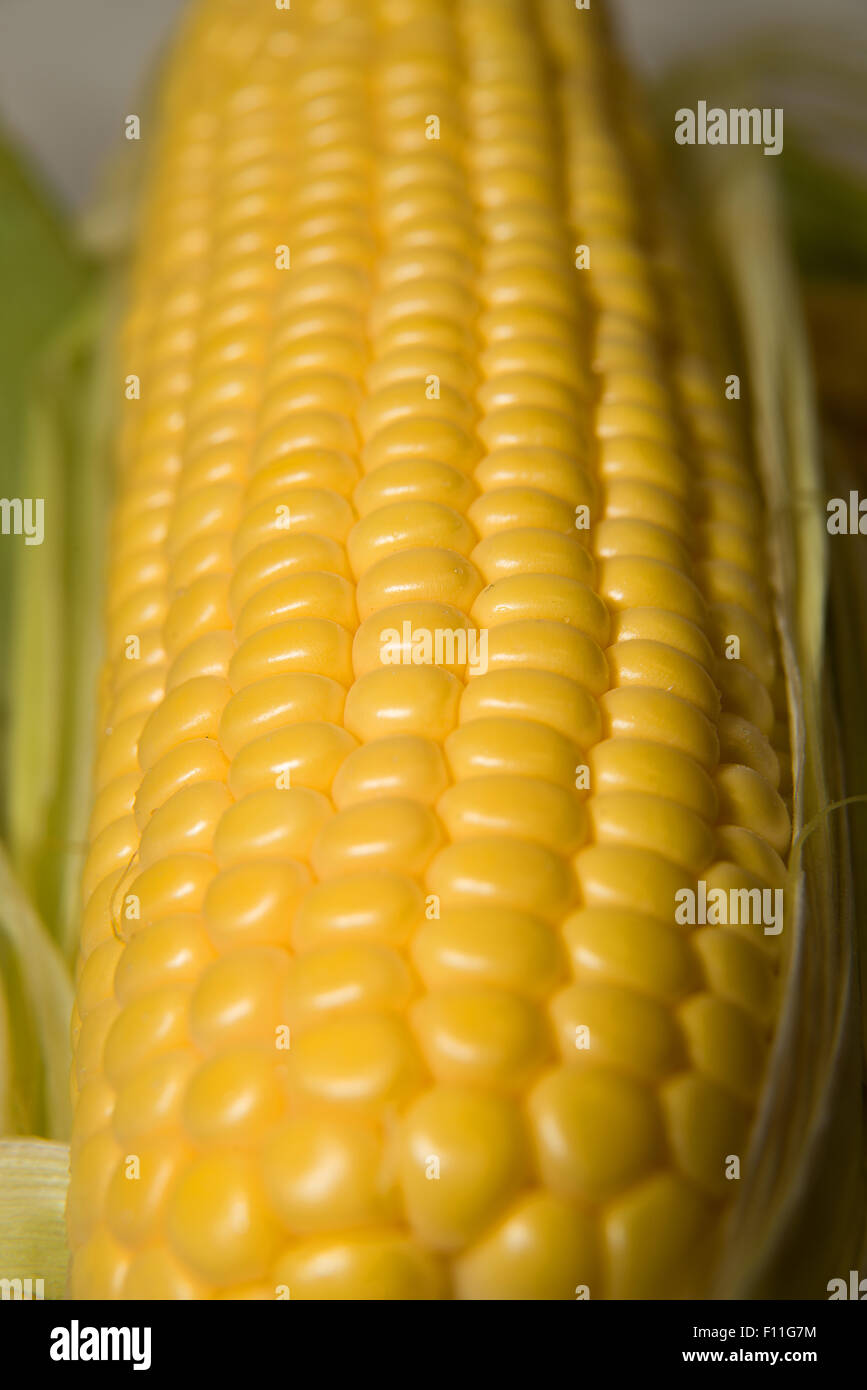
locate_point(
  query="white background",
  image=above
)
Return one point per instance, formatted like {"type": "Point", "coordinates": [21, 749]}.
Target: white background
{"type": "Point", "coordinates": [70, 69]}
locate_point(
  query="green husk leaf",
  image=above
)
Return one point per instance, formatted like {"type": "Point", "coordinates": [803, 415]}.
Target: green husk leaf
{"type": "Point", "coordinates": [88, 510]}
{"type": "Point", "coordinates": [56, 618]}
{"type": "Point", "coordinates": [41, 278]}
{"type": "Point", "coordinates": [36, 670]}
{"type": "Point", "coordinates": [800, 1215]}
{"type": "Point", "coordinates": [37, 1006]}
{"type": "Point", "coordinates": [6, 1100]}
{"type": "Point", "coordinates": [818, 80]}
{"type": "Point", "coordinates": [827, 204]}
{"type": "Point", "coordinates": [801, 1206]}
{"type": "Point", "coordinates": [34, 1175]}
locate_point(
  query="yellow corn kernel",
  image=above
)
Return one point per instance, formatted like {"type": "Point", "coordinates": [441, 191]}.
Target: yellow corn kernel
{"type": "Point", "coordinates": [528, 808]}
{"type": "Point", "coordinates": [307, 754]}
{"type": "Point", "coordinates": [665, 1202]}
{"type": "Point", "coordinates": [363, 1265]}
{"type": "Point", "coordinates": [706, 1126]}
{"type": "Point", "coordinates": [302, 644]}
{"type": "Point", "coordinates": [353, 975]}
{"type": "Point", "coordinates": [184, 823]}
{"type": "Point", "coordinates": [400, 635]}
{"type": "Point", "coordinates": [420, 700]}
{"type": "Point", "coordinates": [544, 1248]}
{"type": "Point", "coordinates": [496, 746]}
{"type": "Point", "coordinates": [654, 666]}
{"type": "Point", "coordinates": [480, 1037]}
{"type": "Point", "coordinates": [599, 1023]}
{"type": "Point", "coordinates": [571, 1110]}
{"type": "Point", "coordinates": [218, 1221]}
{"type": "Point", "coordinates": [273, 823]}
{"type": "Point", "coordinates": [462, 1153]}
{"type": "Point", "coordinates": [638, 819]}
{"type": "Point", "coordinates": [537, 596]}
{"type": "Point", "coordinates": [325, 1173]}
{"type": "Point", "coordinates": [149, 1102]}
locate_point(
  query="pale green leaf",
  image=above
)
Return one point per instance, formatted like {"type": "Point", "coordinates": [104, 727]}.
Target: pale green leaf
{"type": "Point", "coordinates": [41, 278]}
{"type": "Point", "coordinates": [57, 615]}
{"type": "Point", "coordinates": [38, 1006]}
{"type": "Point", "coordinates": [34, 1175]}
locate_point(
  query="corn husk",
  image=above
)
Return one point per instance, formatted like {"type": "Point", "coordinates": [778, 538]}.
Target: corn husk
{"type": "Point", "coordinates": [800, 1216]}
{"type": "Point", "coordinates": [798, 1220]}
{"type": "Point", "coordinates": [35, 1008]}
{"type": "Point", "coordinates": [33, 1181]}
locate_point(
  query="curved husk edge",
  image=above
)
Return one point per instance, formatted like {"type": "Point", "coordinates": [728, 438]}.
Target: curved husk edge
{"type": "Point", "coordinates": [799, 1215]}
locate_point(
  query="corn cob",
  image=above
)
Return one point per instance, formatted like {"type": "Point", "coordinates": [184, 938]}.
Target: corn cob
{"type": "Point", "coordinates": [381, 992]}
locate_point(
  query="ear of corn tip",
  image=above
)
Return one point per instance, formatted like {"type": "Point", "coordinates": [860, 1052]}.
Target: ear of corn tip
{"type": "Point", "coordinates": [380, 979]}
